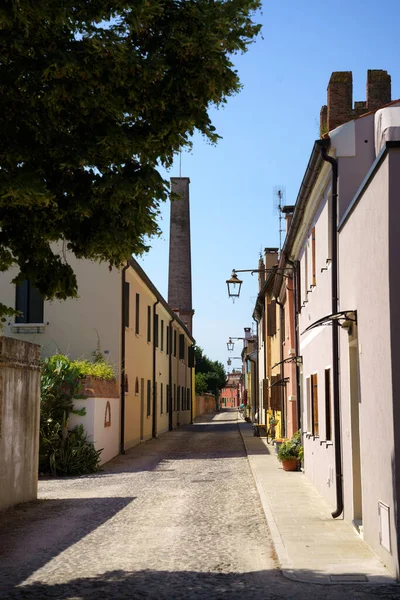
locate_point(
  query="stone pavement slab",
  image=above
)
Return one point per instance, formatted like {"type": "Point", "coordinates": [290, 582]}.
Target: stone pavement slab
{"type": "Point", "coordinates": [311, 546]}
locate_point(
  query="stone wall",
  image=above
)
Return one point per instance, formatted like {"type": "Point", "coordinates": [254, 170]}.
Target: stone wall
{"type": "Point", "coordinates": [19, 420]}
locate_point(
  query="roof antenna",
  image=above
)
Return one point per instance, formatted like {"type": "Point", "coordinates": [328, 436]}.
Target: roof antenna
{"type": "Point", "coordinates": [279, 201]}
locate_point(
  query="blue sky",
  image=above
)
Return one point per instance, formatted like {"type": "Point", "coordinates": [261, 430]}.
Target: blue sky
{"type": "Point", "coordinates": [267, 133]}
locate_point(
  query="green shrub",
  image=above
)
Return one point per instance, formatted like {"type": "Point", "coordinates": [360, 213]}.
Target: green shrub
{"type": "Point", "coordinates": [62, 451]}
{"type": "Point", "coordinates": [101, 369]}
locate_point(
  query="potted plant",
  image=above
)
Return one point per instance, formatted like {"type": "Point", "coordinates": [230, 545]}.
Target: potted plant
{"type": "Point", "coordinates": [291, 452]}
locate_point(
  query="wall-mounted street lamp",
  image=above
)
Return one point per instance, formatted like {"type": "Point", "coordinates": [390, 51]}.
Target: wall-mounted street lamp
{"type": "Point", "coordinates": [234, 283]}
{"type": "Point", "coordinates": [230, 344]}
{"type": "Point", "coordinates": [229, 361]}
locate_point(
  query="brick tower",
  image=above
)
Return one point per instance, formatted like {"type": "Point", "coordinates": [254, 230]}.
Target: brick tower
{"type": "Point", "coordinates": [180, 264]}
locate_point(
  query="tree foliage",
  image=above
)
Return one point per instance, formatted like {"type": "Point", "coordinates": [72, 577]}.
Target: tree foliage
{"type": "Point", "coordinates": [210, 375]}
{"type": "Point", "coordinates": [94, 98]}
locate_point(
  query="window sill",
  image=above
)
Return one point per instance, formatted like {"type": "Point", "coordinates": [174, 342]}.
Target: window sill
{"type": "Point", "coordinates": [28, 327]}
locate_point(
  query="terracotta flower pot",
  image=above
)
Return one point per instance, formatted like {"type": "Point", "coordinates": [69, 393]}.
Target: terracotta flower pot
{"type": "Point", "coordinates": [289, 464]}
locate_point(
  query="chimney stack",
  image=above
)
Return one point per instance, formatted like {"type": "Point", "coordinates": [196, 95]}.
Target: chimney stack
{"type": "Point", "coordinates": [180, 264]}
{"type": "Point", "coordinates": [340, 98]}
{"type": "Point", "coordinates": [270, 258]}
{"type": "Point", "coordinates": [379, 88]}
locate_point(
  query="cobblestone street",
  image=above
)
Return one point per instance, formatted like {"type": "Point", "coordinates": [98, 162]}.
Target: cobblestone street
{"type": "Point", "coordinates": [177, 517]}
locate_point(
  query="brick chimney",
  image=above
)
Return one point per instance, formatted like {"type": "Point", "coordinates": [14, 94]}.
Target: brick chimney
{"type": "Point", "coordinates": [340, 98]}
{"type": "Point", "coordinates": [270, 257]}
{"type": "Point", "coordinates": [379, 88]}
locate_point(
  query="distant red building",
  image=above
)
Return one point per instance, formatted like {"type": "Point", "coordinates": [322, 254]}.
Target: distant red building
{"type": "Point", "coordinates": [230, 394]}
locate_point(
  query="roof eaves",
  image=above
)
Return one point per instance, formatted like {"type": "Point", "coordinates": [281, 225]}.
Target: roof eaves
{"type": "Point", "coordinates": [310, 177]}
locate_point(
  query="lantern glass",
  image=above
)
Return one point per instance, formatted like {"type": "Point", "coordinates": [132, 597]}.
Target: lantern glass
{"type": "Point", "coordinates": [234, 284]}
{"type": "Point", "coordinates": [230, 345]}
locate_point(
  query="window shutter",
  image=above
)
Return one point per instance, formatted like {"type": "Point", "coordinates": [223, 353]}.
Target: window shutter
{"type": "Point", "coordinates": [35, 305]}
{"type": "Point", "coordinates": [156, 330]}
{"type": "Point", "coordinates": [181, 346]}
{"type": "Point", "coordinates": [137, 314]}
{"type": "Point", "coordinates": [191, 357]}
{"type": "Point", "coordinates": [21, 301]}
{"type": "Point", "coordinates": [275, 393]}
{"type": "Point", "coordinates": [271, 318]}
{"type": "Point", "coordinates": [149, 323]}
{"type": "Point", "coordinates": [126, 303]}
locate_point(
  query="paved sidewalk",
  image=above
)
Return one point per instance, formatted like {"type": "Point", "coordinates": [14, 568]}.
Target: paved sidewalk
{"type": "Point", "coordinates": [311, 546]}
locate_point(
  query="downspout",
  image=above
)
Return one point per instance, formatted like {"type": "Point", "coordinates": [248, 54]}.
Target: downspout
{"type": "Point", "coordinates": [257, 375]}
{"type": "Point", "coordinates": [283, 428]}
{"type": "Point", "coordinates": [122, 375]}
{"type": "Point", "coordinates": [154, 432]}
{"type": "Point", "coordinates": [335, 336]}
{"type": "Point", "coordinates": [170, 427]}
{"type": "Point", "coordinates": [296, 340]}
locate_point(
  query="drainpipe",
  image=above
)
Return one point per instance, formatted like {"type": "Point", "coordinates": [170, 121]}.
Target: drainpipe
{"type": "Point", "coordinates": [335, 336]}
{"type": "Point", "coordinates": [122, 375]}
{"type": "Point", "coordinates": [257, 397]}
{"type": "Point", "coordinates": [170, 427]}
{"type": "Point", "coordinates": [296, 339]}
{"type": "Point", "coordinates": [283, 428]}
{"type": "Point", "coordinates": [154, 432]}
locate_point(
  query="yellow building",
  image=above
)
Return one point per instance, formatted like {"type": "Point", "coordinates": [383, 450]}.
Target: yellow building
{"type": "Point", "coordinates": [123, 314]}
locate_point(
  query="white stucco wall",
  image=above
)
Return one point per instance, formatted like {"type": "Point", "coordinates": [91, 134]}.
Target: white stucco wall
{"type": "Point", "coordinates": [316, 349]}
{"type": "Point", "coordinates": [106, 437]}
{"type": "Point", "coordinates": [364, 286]}
{"type": "Point", "coordinates": [71, 326]}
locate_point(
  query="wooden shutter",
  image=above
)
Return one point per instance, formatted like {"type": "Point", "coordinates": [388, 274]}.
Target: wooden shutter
{"type": "Point", "coordinates": [156, 330]}
{"type": "Point", "coordinates": [137, 314]}
{"type": "Point", "coordinates": [314, 405]}
{"type": "Point", "coordinates": [126, 303]}
{"type": "Point", "coordinates": [266, 394]}
{"type": "Point", "coordinates": [271, 318]}
{"type": "Point", "coordinates": [313, 258]}
{"type": "Point", "coordinates": [191, 357]}
{"type": "Point", "coordinates": [182, 346]}
{"type": "Point", "coordinates": [275, 391]}
{"type": "Point", "coordinates": [149, 323]}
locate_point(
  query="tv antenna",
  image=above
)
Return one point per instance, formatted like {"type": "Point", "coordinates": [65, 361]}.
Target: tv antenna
{"type": "Point", "coordinates": [279, 202]}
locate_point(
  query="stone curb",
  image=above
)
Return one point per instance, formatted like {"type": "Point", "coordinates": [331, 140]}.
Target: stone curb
{"type": "Point", "coordinates": [286, 566]}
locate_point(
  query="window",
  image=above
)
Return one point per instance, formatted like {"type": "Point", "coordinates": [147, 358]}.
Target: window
{"type": "Point", "coordinates": [174, 342]}
{"type": "Point", "coordinates": [313, 259]}
{"type": "Point", "coordinates": [271, 318]}
{"type": "Point", "coordinates": [126, 383]}
{"type": "Point", "coordinates": [309, 409]}
{"type": "Point", "coordinates": [167, 342]}
{"type": "Point", "coordinates": [174, 396]}
{"type": "Point", "coordinates": [179, 397]}
{"type": "Point", "coordinates": [162, 335]}
{"type": "Point", "coordinates": [156, 330]}
{"type": "Point", "coordinates": [137, 386]}
{"type": "Point", "coordinates": [137, 314]}
{"type": "Point", "coordinates": [314, 405]}
{"type": "Point", "coordinates": [148, 397]}
{"type": "Point", "coordinates": [161, 398]}
{"type": "Point", "coordinates": [181, 346]}
{"type": "Point", "coordinates": [305, 273]}
{"type": "Point", "coordinates": [188, 399]}
{"type": "Point", "coordinates": [168, 399]}
{"type": "Point", "coordinates": [149, 323]}
{"type": "Point", "coordinates": [126, 303]}
{"type": "Point", "coordinates": [328, 408]}
{"type": "Point", "coordinates": [29, 302]}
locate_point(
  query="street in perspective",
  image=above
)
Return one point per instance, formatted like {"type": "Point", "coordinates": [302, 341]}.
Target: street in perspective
{"type": "Point", "coordinates": [199, 300]}
{"type": "Point", "coordinates": [177, 517]}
